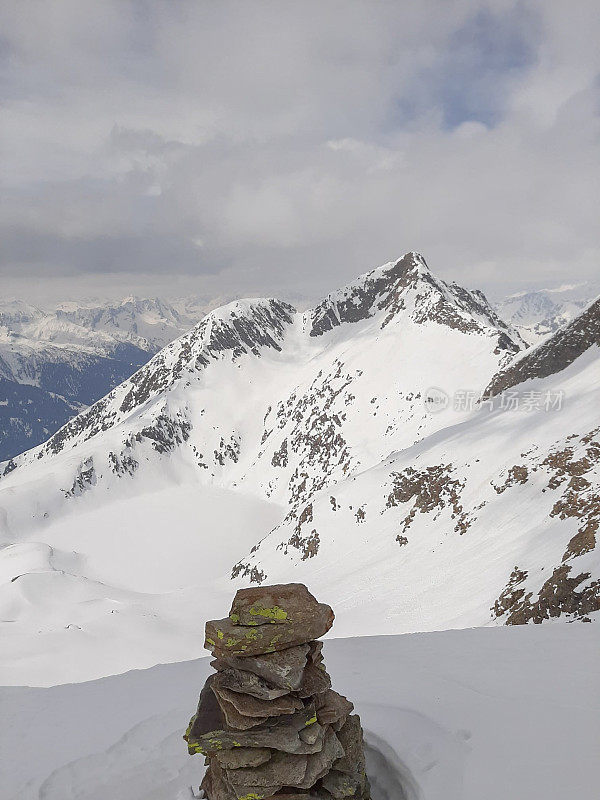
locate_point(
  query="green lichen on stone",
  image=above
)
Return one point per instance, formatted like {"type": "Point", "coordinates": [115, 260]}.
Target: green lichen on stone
{"type": "Point", "coordinates": [210, 641]}
{"type": "Point", "coordinates": [311, 721]}
{"type": "Point", "coordinates": [251, 796]}
{"type": "Point", "coordinates": [235, 618]}
{"type": "Point", "coordinates": [220, 634]}
{"type": "Point", "coordinates": [195, 748]}
{"type": "Point", "coordinates": [231, 642]}
{"type": "Point", "coordinates": [189, 727]}
{"type": "Point", "coordinates": [274, 614]}
{"type": "Point", "coordinates": [252, 635]}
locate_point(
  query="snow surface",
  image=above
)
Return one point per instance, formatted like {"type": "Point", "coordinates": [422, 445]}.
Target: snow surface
{"type": "Point", "coordinates": [104, 593]}
{"type": "Point", "coordinates": [481, 714]}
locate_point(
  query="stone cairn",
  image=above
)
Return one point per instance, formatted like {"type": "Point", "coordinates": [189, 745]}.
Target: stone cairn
{"type": "Point", "coordinates": [268, 722]}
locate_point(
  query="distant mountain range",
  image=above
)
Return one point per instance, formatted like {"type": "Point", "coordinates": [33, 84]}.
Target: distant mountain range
{"type": "Point", "coordinates": [535, 314]}
{"type": "Point", "coordinates": [55, 362]}
{"type": "Point", "coordinates": [397, 446]}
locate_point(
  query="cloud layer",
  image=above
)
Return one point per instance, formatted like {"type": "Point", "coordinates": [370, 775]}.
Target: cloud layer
{"type": "Point", "coordinates": [276, 147]}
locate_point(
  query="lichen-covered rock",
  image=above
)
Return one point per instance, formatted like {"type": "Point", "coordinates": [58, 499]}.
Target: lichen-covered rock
{"type": "Point", "coordinates": [224, 638]}
{"type": "Point", "coordinates": [282, 604]}
{"type": "Point", "coordinates": [269, 723]}
{"type": "Point", "coordinates": [283, 735]}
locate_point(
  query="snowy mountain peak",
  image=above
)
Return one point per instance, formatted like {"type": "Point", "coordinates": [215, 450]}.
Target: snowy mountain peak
{"type": "Point", "coordinates": [407, 288]}
{"type": "Point", "coordinates": [368, 294]}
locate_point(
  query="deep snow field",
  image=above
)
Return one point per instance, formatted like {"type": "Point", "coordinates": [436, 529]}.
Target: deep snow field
{"type": "Point", "coordinates": [480, 714]}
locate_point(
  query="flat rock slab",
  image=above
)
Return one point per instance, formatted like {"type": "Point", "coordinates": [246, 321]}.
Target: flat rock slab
{"type": "Point", "coordinates": [282, 735]}
{"type": "Point", "coordinates": [254, 707]}
{"type": "Point", "coordinates": [218, 785]}
{"type": "Point", "coordinates": [239, 680]}
{"type": "Point", "coordinates": [287, 769]}
{"type": "Point", "coordinates": [239, 757]}
{"type": "Point", "coordinates": [295, 796]}
{"type": "Point", "coordinates": [283, 669]}
{"type": "Point", "coordinates": [223, 637]}
{"type": "Point", "coordinates": [315, 680]}
{"type": "Point", "coordinates": [281, 604]}
{"type": "Point", "coordinates": [208, 717]}
{"type": "Point", "coordinates": [235, 720]}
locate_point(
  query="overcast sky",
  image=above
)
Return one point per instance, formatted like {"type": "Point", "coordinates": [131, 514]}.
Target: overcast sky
{"type": "Point", "coordinates": [285, 147]}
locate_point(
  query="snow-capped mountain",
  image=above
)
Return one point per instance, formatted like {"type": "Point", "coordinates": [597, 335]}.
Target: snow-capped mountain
{"type": "Point", "coordinates": [536, 314]}
{"type": "Point", "coordinates": [54, 362]}
{"type": "Point", "coordinates": [342, 446]}
{"type": "Point", "coordinates": [146, 323]}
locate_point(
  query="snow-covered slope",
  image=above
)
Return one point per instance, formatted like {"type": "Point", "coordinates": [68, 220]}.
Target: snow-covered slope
{"type": "Point", "coordinates": [490, 519]}
{"type": "Point", "coordinates": [417, 513]}
{"type": "Point", "coordinates": [541, 312]}
{"type": "Point", "coordinates": [452, 715]}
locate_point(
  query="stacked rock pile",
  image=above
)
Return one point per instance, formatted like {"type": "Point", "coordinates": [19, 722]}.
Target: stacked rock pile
{"type": "Point", "coordinates": [268, 722]}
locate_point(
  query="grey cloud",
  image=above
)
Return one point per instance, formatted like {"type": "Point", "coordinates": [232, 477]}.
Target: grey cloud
{"type": "Point", "coordinates": [285, 147]}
